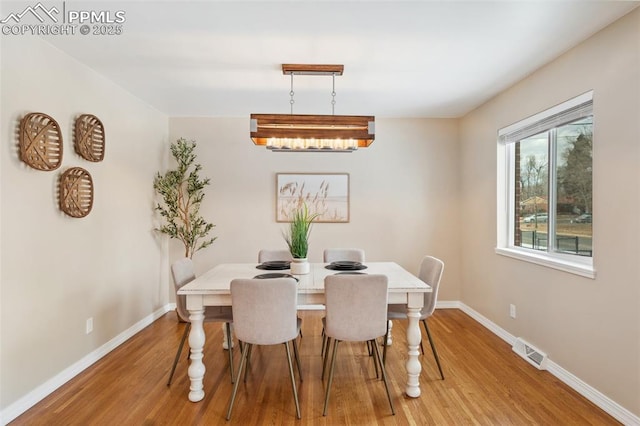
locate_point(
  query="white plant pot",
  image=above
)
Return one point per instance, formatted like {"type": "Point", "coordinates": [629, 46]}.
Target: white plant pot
{"type": "Point", "coordinates": [300, 266]}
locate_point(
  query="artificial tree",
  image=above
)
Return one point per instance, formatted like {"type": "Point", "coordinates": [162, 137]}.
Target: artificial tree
{"type": "Point", "coordinates": [182, 191]}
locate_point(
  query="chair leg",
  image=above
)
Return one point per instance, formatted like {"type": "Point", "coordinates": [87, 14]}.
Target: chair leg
{"type": "Point", "coordinates": [384, 348]}
{"type": "Point", "coordinates": [433, 347]}
{"type": "Point", "coordinates": [246, 371]}
{"type": "Point", "coordinates": [333, 364]}
{"type": "Point", "coordinates": [229, 344]}
{"type": "Point", "coordinates": [296, 355]}
{"type": "Point", "coordinates": [243, 359]}
{"type": "Point", "coordinates": [370, 344]}
{"type": "Point", "coordinates": [324, 342]}
{"type": "Point", "coordinates": [293, 380]}
{"type": "Point", "coordinates": [325, 356]}
{"type": "Point", "coordinates": [384, 378]}
{"type": "Point", "coordinates": [175, 361]}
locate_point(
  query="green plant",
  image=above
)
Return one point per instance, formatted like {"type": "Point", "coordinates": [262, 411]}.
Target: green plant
{"type": "Point", "coordinates": [297, 236]}
{"type": "Point", "coordinates": [182, 191]}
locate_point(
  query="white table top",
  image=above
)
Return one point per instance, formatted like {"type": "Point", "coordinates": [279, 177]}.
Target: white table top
{"type": "Point", "coordinates": [216, 281]}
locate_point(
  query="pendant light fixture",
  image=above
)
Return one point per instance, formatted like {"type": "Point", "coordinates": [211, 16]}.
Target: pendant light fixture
{"type": "Point", "coordinates": [312, 133]}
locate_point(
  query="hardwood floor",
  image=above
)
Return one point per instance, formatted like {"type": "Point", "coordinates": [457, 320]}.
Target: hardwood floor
{"type": "Point", "coordinates": [486, 383]}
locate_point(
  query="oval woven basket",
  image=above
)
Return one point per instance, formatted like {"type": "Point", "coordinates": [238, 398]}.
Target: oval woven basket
{"type": "Point", "coordinates": [90, 138]}
{"type": "Point", "coordinates": [40, 141]}
{"type": "Point", "coordinates": [76, 192]}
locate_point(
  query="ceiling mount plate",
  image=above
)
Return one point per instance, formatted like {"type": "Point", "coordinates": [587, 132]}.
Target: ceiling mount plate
{"type": "Point", "coordinates": [312, 69]}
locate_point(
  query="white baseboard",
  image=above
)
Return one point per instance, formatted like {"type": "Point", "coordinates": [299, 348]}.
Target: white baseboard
{"type": "Point", "coordinates": [611, 407]}
{"type": "Point", "coordinates": [311, 307]}
{"type": "Point", "coordinates": [42, 391]}
{"type": "Point", "coordinates": [614, 409]}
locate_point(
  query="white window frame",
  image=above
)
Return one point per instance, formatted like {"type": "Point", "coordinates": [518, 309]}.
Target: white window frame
{"type": "Point", "coordinates": [552, 117]}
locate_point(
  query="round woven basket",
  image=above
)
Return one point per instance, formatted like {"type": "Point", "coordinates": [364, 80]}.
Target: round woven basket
{"type": "Point", "coordinates": [76, 192]}
{"type": "Point", "coordinates": [40, 141]}
{"type": "Point", "coordinates": [89, 138]}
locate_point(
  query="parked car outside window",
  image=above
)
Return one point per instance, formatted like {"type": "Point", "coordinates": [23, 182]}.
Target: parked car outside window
{"type": "Point", "coordinates": [583, 218]}
{"type": "Point", "coordinates": [542, 218]}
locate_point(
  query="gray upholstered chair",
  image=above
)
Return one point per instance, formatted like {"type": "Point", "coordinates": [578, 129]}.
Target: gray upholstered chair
{"type": "Point", "coordinates": [265, 255]}
{"type": "Point", "coordinates": [337, 255]}
{"type": "Point", "coordinates": [270, 255]}
{"type": "Point", "coordinates": [183, 273]}
{"type": "Point", "coordinates": [431, 270]}
{"type": "Point", "coordinates": [342, 254]}
{"type": "Point", "coordinates": [265, 313]}
{"type": "Point", "coordinates": [356, 311]}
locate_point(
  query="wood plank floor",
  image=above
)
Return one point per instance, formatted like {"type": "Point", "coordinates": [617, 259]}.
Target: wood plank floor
{"type": "Point", "coordinates": [486, 383]}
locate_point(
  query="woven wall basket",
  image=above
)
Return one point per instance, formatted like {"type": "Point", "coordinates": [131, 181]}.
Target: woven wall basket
{"type": "Point", "coordinates": [40, 141]}
{"type": "Point", "coordinates": [89, 138]}
{"type": "Point", "coordinates": [76, 192]}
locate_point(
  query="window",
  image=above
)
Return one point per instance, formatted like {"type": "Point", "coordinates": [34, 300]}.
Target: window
{"type": "Point", "coordinates": [545, 187]}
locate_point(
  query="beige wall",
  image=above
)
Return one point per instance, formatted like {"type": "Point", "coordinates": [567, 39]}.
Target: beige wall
{"type": "Point", "coordinates": [589, 327]}
{"type": "Point", "coordinates": [425, 186]}
{"type": "Point", "coordinates": [57, 271]}
{"type": "Point", "coordinates": [404, 188]}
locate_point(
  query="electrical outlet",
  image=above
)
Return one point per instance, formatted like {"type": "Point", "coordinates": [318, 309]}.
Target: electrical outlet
{"type": "Point", "coordinates": [512, 310]}
{"type": "Point", "coordinates": [89, 325]}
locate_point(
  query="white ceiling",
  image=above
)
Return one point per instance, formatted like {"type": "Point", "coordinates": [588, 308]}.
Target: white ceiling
{"type": "Point", "coordinates": [402, 59]}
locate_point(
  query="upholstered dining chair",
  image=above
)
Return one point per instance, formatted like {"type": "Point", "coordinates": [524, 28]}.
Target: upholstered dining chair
{"type": "Point", "coordinates": [431, 270]}
{"type": "Point", "coordinates": [183, 273]}
{"type": "Point", "coordinates": [342, 254]}
{"type": "Point", "coordinates": [270, 255]}
{"type": "Point", "coordinates": [266, 255]}
{"type": "Point", "coordinates": [356, 311]}
{"type": "Point", "coordinates": [265, 313]}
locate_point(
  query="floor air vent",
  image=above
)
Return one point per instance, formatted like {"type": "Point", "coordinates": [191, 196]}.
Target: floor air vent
{"type": "Point", "coordinates": [530, 353]}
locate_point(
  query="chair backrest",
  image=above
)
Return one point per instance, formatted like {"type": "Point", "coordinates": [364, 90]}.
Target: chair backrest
{"type": "Point", "coordinates": [356, 306]}
{"type": "Point", "coordinates": [341, 254]}
{"type": "Point", "coordinates": [183, 273]}
{"type": "Point", "coordinates": [265, 310]}
{"type": "Point", "coordinates": [431, 270]}
{"type": "Point", "coordinates": [271, 255]}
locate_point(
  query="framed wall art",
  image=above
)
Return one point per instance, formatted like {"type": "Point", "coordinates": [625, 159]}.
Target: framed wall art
{"type": "Point", "coordinates": [326, 194]}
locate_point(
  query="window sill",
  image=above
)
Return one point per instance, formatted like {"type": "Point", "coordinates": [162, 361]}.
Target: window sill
{"type": "Point", "coordinates": [583, 269]}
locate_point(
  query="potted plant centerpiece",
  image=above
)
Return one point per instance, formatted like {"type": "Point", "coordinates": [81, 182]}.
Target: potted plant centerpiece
{"type": "Point", "coordinates": [297, 238]}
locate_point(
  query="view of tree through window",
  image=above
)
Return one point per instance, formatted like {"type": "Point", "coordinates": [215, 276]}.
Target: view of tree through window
{"type": "Point", "coordinates": [553, 189]}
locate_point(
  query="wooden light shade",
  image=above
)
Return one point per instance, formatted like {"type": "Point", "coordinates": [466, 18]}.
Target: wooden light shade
{"type": "Point", "coordinates": [313, 129]}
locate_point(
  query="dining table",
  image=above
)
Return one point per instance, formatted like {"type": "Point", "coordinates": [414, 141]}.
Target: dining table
{"type": "Point", "coordinates": [213, 289]}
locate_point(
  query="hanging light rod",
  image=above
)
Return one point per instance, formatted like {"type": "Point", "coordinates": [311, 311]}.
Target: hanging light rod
{"type": "Point", "coordinates": [312, 133]}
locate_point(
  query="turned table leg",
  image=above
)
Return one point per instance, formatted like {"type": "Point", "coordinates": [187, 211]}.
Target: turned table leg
{"type": "Point", "coordinates": [196, 344]}
{"type": "Point", "coordinates": [413, 342]}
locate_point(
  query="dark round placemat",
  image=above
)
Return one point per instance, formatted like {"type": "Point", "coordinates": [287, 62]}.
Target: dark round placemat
{"type": "Point", "coordinates": [275, 275]}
